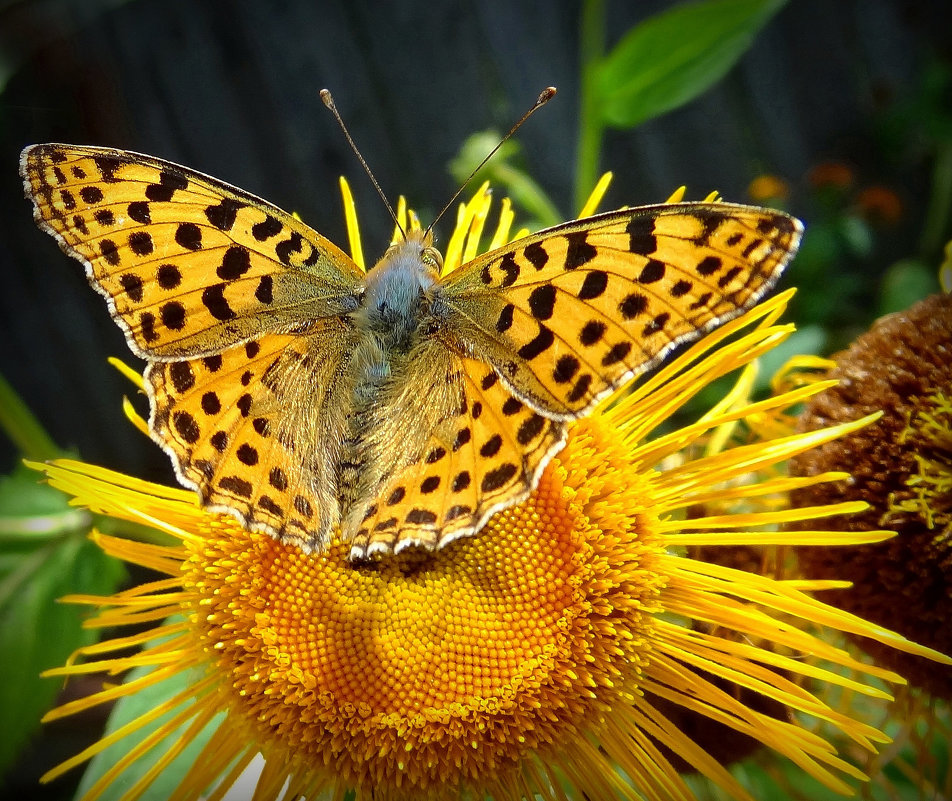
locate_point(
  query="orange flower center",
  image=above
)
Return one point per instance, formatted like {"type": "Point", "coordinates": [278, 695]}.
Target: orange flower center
{"type": "Point", "coordinates": [434, 668]}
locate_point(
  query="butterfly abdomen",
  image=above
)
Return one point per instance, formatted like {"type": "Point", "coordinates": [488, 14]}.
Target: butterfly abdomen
{"type": "Point", "coordinates": [369, 370]}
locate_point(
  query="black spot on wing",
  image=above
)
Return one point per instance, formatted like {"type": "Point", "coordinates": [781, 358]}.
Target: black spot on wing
{"type": "Point", "coordinates": [530, 429]}
{"type": "Point", "coordinates": [278, 479]}
{"type": "Point", "coordinates": [633, 305]}
{"type": "Point", "coordinates": [499, 477]}
{"type": "Point", "coordinates": [213, 298]}
{"type": "Point", "coordinates": [168, 276]}
{"type": "Point", "coordinates": [223, 215]}
{"type": "Point", "coordinates": [709, 224]}
{"type": "Point", "coordinates": [132, 285]}
{"type": "Point", "coordinates": [284, 249]}
{"type": "Point", "coordinates": [173, 315]}
{"type": "Point", "coordinates": [535, 254]}
{"type": "Point", "coordinates": [267, 228]}
{"type": "Point", "coordinates": [110, 251]}
{"type": "Point", "coordinates": [186, 427]}
{"type": "Point", "coordinates": [264, 293]}
{"type": "Point", "coordinates": [211, 404]}
{"type": "Point", "coordinates": [139, 212]}
{"type": "Point", "coordinates": [504, 321]}
{"type": "Point", "coordinates": [565, 368]}
{"type": "Point", "coordinates": [91, 194]}
{"type": "Point", "coordinates": [541, 343]}
{"type": "Point", "coordinates": [421, 517]}
{"type": "Point", "coordinates": [542, 302]}
{"type": "Point", "coordinates": [641, 238]}
{"type": "Point", "coordinates": [491, 446]}
{"type": "Point", "coordinates": [170, 182]}
{"type": "Point", "coordinates": [107, 166]}
{"type": "Point", "coordinates": [269, 505]}
{"type": "Point", "coordinates": [680, 288]}
{"type": "Point", "coordinates": [235, 263]}
{"type": "Point", "coordinates": [189, 236]}
{"type": "Point", "coordinates": [510, 270]}
{"type": "Point", "coordinates": [247, 454]}
{"type": "Point", "coordinates": [236, 486]}
{"type": "Point", "coordinates": [183, 379]}
{"type": "Point", "coordinates": [140, 242]}
{"type": "Point", "coordinates": [592, 332]}
{"type": "Point", "coordinates": [579, 251]}
{"type": "Point", "coordinates": [652, 271]}
{"type": "Point", "coordinates": [595, 283]}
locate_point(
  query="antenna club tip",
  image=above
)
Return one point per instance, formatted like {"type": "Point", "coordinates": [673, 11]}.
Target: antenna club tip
{"type": "Point", "coordinates": [326, 98]}
{"type": "Point", "coordinates": [546, 95]}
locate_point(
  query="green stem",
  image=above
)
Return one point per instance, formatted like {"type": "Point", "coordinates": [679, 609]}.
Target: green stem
{"type": "Point", "coordinates": [591, 127]}
{"type": "Point", "coordinates": [23, 428]}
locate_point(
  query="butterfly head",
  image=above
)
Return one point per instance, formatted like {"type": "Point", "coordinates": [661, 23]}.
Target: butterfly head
{"type": "Point", "coordinates": [415, 248]}
{"type": "Point", "coordinates": [394, 288]}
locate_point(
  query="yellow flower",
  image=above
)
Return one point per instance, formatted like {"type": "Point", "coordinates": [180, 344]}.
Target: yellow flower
{"type": "Point", "coordinates": [546, 657]}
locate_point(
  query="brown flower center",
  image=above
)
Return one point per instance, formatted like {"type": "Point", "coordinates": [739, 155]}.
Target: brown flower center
{"type": "Point", "coordinates": [902, 366]}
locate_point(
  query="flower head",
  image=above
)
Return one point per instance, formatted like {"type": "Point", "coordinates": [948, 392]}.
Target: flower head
{"type": "Point", "coordinates": [901, 466]}
{"type": "Point", "coordinates": [552, 654]}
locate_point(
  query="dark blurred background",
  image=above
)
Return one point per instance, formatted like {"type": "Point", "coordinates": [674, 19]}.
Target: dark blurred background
{"type": "Point", "coordinates": [838, 101]}
{"type": "Point", "coordinates": [231, 89]}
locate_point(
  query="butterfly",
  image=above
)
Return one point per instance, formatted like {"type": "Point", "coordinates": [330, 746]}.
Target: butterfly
{"type": "Point", "coordinates": [405, 407]}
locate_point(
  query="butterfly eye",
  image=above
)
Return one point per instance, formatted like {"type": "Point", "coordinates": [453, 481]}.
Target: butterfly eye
{"type": "Point", "coordinates": [432, 258]}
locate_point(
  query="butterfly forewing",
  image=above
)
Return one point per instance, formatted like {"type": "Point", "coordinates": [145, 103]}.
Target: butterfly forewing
{"type": "Point", "coordinates": [190, 265]}
{"type": "Point", "coordinates": [569, 314]}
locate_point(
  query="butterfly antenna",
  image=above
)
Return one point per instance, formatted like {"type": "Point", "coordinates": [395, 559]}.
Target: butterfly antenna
{"type": "Point", "coordinates": [329, 102]}
{"type": "Point", "coordinates": [544, 97]}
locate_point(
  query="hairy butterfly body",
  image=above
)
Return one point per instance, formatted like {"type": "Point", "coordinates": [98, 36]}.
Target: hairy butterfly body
{"type": "Point", "coordinates": [300, 394]}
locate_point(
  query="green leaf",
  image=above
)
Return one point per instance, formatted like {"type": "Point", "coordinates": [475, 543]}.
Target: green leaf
{"type": "Point", "coordinates": [673, 57]}
{"type": "Point", "coordinates": [18, 422]}
{"type": "Point", "coordinates": [37, 632]}
{"type": "Point", "coordinates": [135, 706]}
{"type": "Point", "coordinates": [31, 512]}
{"type": "Point", "coordinates": [502, 173]}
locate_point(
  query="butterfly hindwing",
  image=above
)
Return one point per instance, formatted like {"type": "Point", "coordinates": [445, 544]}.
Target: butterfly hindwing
{"type": "Point", "coordinates": [487, 456]}
{"type": "Point", "coordinates": [188, 264]}
{"type": "Point", "coordinates": [243, 428]}
{"type": "Point", "coordinates": [570, 313]}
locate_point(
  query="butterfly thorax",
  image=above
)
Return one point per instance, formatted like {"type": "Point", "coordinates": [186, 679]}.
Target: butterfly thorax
{"type": "Point", "coordinates": [395, 291]}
